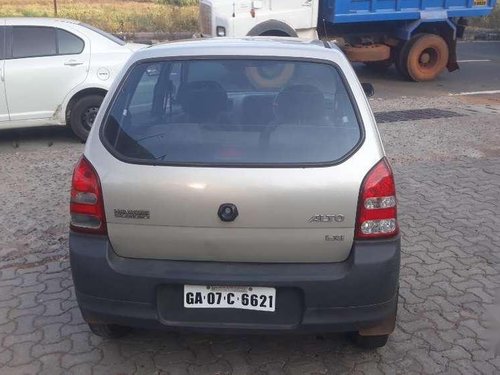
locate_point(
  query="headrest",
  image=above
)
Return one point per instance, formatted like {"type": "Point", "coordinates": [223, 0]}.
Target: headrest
{"type": "Point", "coordinates": [300, 104]}
{"type": "Point", "coordinates": [257, 110]}
{"type": "Point", "coordinates": [203, 100]}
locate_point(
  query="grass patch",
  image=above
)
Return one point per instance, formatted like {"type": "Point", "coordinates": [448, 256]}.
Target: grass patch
{"type": "Point", "coordinates": [112, 15]}
{"type": "Point", "coordinates": [162, 16]}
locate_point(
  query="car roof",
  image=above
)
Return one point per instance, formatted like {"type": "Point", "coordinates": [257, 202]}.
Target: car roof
{"type": "Point", "coordinates": [248, 46]}
{"type": "Point", "coordinates": [38, 20]}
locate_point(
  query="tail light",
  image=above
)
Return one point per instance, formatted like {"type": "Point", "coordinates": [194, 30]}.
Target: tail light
{"type": "Point", "coordinates": [86, 207]}
{"type": "Point", "coordinates": [377, 205]}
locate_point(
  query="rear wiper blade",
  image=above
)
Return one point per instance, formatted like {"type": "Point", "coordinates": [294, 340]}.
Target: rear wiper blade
{"type": "Point", "coordinates": [161, 157]}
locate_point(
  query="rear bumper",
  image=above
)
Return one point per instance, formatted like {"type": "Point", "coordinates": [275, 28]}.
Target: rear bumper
{"type": "Point", "coordinates": [358, 293]}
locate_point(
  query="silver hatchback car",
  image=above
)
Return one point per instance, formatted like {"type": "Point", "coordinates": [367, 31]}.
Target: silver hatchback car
{"type": "Point", "coordinates": [236, 185]}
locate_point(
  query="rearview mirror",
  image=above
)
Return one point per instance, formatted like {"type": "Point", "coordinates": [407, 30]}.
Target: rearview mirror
{"type": "Point", "coordinates": [368, 88]}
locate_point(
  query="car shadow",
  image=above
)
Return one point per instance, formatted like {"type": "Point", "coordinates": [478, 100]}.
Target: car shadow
{"type": "Point", "coordinates": [364, 73]}
{"type": "Point", "coordinates": [258, 348]}
{"type": "Point", "coordinates": [37, 136]}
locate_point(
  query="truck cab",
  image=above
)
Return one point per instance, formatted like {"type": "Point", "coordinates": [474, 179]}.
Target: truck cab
{"type": "Point", "coordinates": [259, 18]}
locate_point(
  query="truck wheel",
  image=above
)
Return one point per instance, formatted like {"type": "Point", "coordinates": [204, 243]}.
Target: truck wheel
{"type": "Point", "coordinates": [109, 331]}
{"type": "Point", "coordinates": [398, 61]}
{"type": "Point", "coordinates": [274, 33]}
{"type": "Point", "coordinates": [83, 114]}
{"type": "Point", "coordinates": [273, 78]}
{"type": "Point", "coordinates": [423, 57]}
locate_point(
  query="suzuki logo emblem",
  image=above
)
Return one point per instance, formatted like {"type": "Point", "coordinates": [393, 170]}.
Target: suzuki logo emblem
{"type": "Point", "coordinates": [227, 212]}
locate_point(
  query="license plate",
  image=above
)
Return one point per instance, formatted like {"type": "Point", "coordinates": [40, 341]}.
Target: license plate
{"type": "Point", "coordinates": [229, 297]}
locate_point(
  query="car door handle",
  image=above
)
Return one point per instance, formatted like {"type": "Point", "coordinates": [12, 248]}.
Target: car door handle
{"type": "Point", "coordinates": [73, 63]}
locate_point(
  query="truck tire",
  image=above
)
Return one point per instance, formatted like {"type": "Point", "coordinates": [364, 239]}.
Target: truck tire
{"type": "Point", "coordinates": [83, 113]}
{"type": "Point", "coordinates": [423, 57]}
{"type": "Point", "coordinates": [272, 28]}
{"type": "Point", "coordinates": [260, 79]}
{"type": "Point", "coordinates": [401, 68]}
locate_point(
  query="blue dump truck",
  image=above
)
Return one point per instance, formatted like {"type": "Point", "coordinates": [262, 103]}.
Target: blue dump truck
{"type": "Point", "coordinates": [418, 36]}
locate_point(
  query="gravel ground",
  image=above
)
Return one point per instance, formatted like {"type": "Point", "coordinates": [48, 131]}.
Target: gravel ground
{"type": "Point", "coordinates": [448, 172]}
{"type": "Point", "coordinates": [475, 134]}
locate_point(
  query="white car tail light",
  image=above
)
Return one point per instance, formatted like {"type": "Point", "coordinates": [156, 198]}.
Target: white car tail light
{"type": "Point", "coordinates": [86, 207]}
{"type": "Point", "coordinates": [377, 206]}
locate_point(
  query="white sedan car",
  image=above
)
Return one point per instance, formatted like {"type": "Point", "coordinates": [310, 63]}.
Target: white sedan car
{"type": "Point", "coordinates": [56, 72]}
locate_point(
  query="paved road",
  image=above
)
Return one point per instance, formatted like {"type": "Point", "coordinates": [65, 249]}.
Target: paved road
{"type": "Point", "coordinates": [450, 247]}
{"type": "Point", "coordinates": [472, 76]}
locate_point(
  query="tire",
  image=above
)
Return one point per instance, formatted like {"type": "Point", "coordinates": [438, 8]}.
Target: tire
{"type": "Point", "coordinates": [260, 80]}
{"type": "Point", "coordinates": [375, 341]}
{"type": "Point", "coordinates": [83, 113]}
{"type": "Point", "coordinates": [275, 33]}
{"type": "Point", "coordinates": [398, 62]}
{"type": "Point", "coordinates": [423, 57]}
{"type": "Point", "coordinates": [109, 331]}
{"type": "Point", "coordinates": [370, 342]}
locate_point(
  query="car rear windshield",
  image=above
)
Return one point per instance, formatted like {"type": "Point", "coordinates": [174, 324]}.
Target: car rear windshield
{"type": "Point", "coordinates": [232, 112]}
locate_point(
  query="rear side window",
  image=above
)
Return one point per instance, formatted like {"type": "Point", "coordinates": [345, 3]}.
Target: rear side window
{"type": "Point", "coordinates": [33, 41]}
{"type": "Point", "coordinates": [68, 43]}
{"type": "Point", "coordinates": [244, 112]}
{"type": "Point", "coordinates": [2, 42]}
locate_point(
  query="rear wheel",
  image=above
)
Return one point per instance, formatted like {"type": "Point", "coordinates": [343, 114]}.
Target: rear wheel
{"type": "Point", "coordinates": [83, 114]}
{"type": "Point", "coordinates": [370, 342]}
{"type": "Point", "coordinates": [109, 331]}
{"type": "Point", "coordinates": [423, 57]}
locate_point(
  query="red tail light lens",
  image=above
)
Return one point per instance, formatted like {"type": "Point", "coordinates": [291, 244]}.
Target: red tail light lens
{"type": "Point", "coordinates": [86, 207]}
{"type": "Point", "coordinates": [377, 205]}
